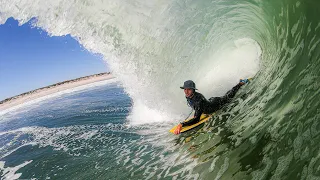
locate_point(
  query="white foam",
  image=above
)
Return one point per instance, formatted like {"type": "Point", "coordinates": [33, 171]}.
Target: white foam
{"type": "Point", "coordinates": [141, 114]}
{"type": "Point", "coordinates": [9, 173]}
{"type": "Point", "coordinates": [213, 164]}
{"type": "Point", "coordinates": [226, 67]}
{"type": "Point", "coordinates": [59, 138]}
{"type": "Point", "coordinates": [223, 168]}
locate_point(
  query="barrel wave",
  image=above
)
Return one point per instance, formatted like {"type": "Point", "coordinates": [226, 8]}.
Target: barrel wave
{"type": "Point", "coordinates": [270, 130]}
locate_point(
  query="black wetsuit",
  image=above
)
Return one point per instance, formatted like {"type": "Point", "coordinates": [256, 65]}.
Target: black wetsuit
{"type": "Point", "coordinates": [201, 105]}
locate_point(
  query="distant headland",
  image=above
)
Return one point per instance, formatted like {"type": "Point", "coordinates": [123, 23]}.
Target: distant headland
{"type": "Point", "coordinates": [44, 91]}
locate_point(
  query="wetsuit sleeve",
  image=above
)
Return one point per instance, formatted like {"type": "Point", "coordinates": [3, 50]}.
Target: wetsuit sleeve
{"type": "Point", "coordinates": [192, 121]}
{"type": "Point", "coordinates": [197, 115]}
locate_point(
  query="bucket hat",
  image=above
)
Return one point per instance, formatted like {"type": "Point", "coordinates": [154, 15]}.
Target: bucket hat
{"type": "Point", "coordinates": [189, 85]}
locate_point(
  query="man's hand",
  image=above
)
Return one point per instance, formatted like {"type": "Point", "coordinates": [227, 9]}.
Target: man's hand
{"type": "Point", "coordinates": [178, 129]}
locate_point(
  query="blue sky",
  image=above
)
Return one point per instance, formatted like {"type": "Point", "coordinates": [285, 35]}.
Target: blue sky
{"type": "Point", "coordinates": [30, 59]}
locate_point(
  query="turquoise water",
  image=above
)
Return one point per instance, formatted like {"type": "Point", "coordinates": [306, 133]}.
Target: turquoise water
{"type": "Point", "coordinates": [270, 130]}
{"type": "Point", "coordinates": [84, 135]}
{"type": "Point", "coordinates": [79, 135]}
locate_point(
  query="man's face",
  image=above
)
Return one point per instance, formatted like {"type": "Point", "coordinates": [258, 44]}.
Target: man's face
{"type": "Point", "coordinates": [188, 92]}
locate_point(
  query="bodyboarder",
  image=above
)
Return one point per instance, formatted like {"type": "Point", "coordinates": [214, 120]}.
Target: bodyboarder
{"type": "Point", "coordinates": [201, 105]}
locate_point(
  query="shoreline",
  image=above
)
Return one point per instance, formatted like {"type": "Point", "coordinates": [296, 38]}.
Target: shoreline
{"type": "Point", "coordinates": [51, 89]}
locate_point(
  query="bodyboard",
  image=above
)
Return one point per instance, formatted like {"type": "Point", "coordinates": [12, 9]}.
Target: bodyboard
{"type": "Point", "coordinates": [204, 118]}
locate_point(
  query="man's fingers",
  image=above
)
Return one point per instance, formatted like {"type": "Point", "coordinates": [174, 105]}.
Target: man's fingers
{"type": "Point", "coordinates": [177, 130]}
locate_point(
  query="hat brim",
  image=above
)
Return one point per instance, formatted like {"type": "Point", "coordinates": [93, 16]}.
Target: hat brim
{"type": "Point", "coordinates": [188, 88]}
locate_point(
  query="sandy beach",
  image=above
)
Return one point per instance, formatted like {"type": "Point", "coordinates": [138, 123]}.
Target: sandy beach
{"type": "Point", "coordinates": [45, 91]}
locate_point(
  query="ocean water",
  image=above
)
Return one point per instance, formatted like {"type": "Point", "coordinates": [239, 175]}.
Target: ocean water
{"type": "Point", "coordinates": [120, 130]}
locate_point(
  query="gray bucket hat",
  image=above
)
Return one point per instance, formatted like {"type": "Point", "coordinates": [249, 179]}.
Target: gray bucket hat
{"type": "Point", "coordinates": [189, 85]}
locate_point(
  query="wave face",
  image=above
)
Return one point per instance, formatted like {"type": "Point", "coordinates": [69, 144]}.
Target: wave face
{"type": "Point", "coordinates": [271, 132]}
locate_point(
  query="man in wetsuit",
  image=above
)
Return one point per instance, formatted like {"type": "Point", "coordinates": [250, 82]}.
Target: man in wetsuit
{"type": "Point", "coordinates": [201, 105]}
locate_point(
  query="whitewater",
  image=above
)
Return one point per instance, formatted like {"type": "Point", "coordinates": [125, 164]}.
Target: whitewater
{"type": "Point", "coordinates": [120, 130]}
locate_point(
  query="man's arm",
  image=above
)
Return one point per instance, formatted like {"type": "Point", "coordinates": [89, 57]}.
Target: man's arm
{"type": "Point", "coordinates": [198, 102]}
{"type": "Point", "coordinates": [195, 119]}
